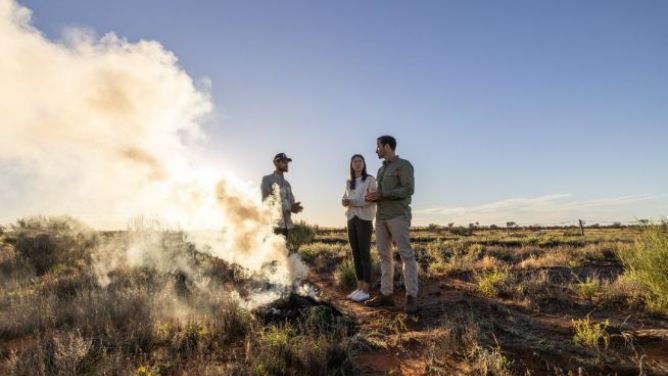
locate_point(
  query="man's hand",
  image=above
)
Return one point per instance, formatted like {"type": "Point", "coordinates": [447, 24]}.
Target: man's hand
{"type": "Point", "coordinates": [296, 207]}
{"type": "Point", "coordinates": [372, 197]}
{"type": "Point", "coordinates": [345, 201]}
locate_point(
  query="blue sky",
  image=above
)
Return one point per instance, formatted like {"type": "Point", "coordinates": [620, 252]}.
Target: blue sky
{"type": "Point", "coordinates": [533, 111]}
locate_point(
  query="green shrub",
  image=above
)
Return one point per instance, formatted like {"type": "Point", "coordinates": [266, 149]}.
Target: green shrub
{"type": "Point", "coordinates": [646, 262]}
{"type": "Point", "coordinates": [301, 349]}
{"type": "Point", "coordinates": [461, 231]}
{"type": "Point", "coordinates": [301, 234]}
{"type": "Point", "coordinates": [461, 260]}
{"type": "Point", "coordinates": [492, 283]}
{"type": "Point", "coordinates": [345, 275]}
{"type": "Point", "coordinates": [591, 334]}
{"type": "Point", "coordinates": [311, 252]}
{"type": "Point", "coordinates": [589, 288]}
{"type": "Point", "coordinates": [475, 250]}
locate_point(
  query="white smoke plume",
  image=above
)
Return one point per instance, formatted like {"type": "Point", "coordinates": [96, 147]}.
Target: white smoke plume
{"type": "Point", "coordinates": [106, 130]}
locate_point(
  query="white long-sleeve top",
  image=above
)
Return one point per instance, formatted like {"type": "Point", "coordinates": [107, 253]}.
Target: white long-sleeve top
{"type": "Point", "coordinates": [358, 206]}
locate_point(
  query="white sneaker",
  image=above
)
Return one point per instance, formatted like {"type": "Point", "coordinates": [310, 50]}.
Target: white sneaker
{"type": "Point", "coordinates": [361, 296]}
{"type": "Point", "coordinates": [350, 296]}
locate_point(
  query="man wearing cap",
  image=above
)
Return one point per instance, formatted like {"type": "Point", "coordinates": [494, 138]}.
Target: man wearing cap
{"type": "Point", "coordinates": [288, 204]}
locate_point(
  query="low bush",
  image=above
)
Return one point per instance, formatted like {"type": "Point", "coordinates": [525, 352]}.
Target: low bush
{"type": "Point", "coordinates": [46, 242]}
{"type": "Point", "coordinates": [492, 283]}
{"type": "Point", "coordinates": [591, 334]}
{"type": "Point", "coordinates": [646, 262]}
{"type": "Point", "coordinates": [345, 275]}
{"type": "Point", "coordinates": [301, 234]}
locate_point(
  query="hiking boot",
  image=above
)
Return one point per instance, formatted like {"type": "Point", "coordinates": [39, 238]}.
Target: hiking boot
{"type": "Point", "coordinates": [380, 300]}
{"type": "Point", "coordinates": [411, 305]}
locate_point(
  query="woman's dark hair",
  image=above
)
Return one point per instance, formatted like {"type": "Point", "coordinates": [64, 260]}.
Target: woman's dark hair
{"type": "Point", "coordinates": [351, 182]}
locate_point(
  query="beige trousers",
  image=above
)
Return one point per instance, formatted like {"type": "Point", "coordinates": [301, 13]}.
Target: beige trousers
{"type": "Point", "coordinates": [397, 230]}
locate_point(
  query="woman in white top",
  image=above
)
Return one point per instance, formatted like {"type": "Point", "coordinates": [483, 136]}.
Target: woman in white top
{"type": "Point", "coordinates": [360, 214]}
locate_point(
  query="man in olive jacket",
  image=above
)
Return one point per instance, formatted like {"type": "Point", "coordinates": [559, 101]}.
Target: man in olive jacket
{"type": "Point", "coordinates": [396, 185]}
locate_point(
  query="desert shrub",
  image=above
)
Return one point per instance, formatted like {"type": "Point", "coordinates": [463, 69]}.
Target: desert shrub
{"type": "Point", "coordinates": [438, 266]}
{"type": "Point", "coordinates": [513, 255]}
{"type": "Point", "coordinates": [546, 260]}
{"type": "Point", "coordinates": [470, 338]}
{"type": "Point", "coordinates": [488, 361]}
{"type": "Point", "coordinates": [14, 269]}
{"type": "Point", "coordinates": [623, 292]}
{"type": "Point", "coordinates": [646, 262]}
{"type": "Point", "coordinates": [589, 288]}
{"type": "Point", "coordinates": [55, 353]}
{"type": "Point", "coordinates": [189, 338]}
{"type": "Point", "coordinates": [234, 323]}
{"type": "Point", "coordinates": [292, 350]}
{"type": "Point", "coordinates": [324, 257]}
{"type": "Point", "coordinates": [46, 242]}
{"type": "Point", "coordinates": [25, 313]}
{"type": "Point", "coordinates": [220, 272]}
{"type": "Point", "coordinates": [66, 282]}
{"type": "Point", "coordinates": [538, 291]}
{"type": "Point", "coordinates": [301, 234]}
{"type": "Point", "coordinates": [461, 260]}
{"type": "Point", "coordinates": [439, 348]}
{"type": "Point", "coordinates": [597, 252]}
{"type": "Point", "coordinates": [227, 325]}
{"type": "Point", "coordinates": [488, 263]}
{"type": "Point", "coordinates": [121, 319]}
{"type": "Point", "coordinates": [475, 250]}
{"type": "Point", "coordinates": [461, 231]}
{"type": "Point", "coordinates": [345, 275]}
{"type": "Point", "coordinates": [590, 334]}
{"type": "Point", "coordinates": [144, 279]}
{"type": "Point", "coordinates": [492, 283]}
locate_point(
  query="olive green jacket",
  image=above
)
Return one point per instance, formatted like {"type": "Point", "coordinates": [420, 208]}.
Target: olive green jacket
{"type": "Point", "coordinates": [396, 185]}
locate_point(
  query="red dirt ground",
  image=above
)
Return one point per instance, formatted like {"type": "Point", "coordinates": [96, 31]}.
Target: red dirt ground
{"type": "Point", "coordinates": [537, 343]}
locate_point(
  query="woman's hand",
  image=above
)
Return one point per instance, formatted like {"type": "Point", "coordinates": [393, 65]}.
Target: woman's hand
{"type": "Point", "coordinates": [345, 201]}
{"type": "Point", "coordinates": [372, 197]}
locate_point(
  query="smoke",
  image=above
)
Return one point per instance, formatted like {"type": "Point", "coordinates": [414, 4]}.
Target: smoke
{"type": "Point", "coordinates": [101, 125]}
{"type": "Point", "coordinates": [107, 130]}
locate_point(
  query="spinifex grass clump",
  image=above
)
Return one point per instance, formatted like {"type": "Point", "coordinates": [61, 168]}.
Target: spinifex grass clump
{"type": "Point", "coordinates": [301, 234]}
{"type": "Point", "coordinates": [461, 259]}
{"type": "Point", "coordinates": [589, 288]}
{"type": "Point", "coordinates": [345, 275]}
{"type": "Point", "coordinates": [301, 337]}
{"type": "Point", "coordinates": [646, 261]}
{"type": "Point", "coordinates": [323, 257]}
{"type": "Point", "coordinates": [48, 242]}
{"type": "Point", "coordinates": [492, 283]}
{"type": "Point", "coordinates": [591, 334]}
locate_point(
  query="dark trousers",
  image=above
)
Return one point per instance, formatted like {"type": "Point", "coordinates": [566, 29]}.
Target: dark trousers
{"type": "Point", "coordinates": [359, 236]}
{"type": "Point", "coordinates": [282, 231]}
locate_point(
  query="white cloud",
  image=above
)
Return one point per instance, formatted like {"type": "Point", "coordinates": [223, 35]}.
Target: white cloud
{"type": "Point", "coordinates": [550, 209]}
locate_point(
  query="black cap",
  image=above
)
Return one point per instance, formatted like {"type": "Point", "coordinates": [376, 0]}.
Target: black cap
{"type": "Point", "coordinates": [281, 156]}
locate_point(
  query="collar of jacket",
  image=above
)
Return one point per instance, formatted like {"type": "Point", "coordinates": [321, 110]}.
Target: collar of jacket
{"type": "Point", "coordinates": [386, 162]}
